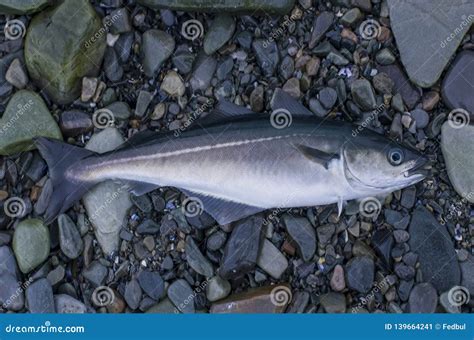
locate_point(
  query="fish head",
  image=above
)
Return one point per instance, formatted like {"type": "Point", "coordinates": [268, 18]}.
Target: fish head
{"type": "Point", "coordinates": [378, 163]}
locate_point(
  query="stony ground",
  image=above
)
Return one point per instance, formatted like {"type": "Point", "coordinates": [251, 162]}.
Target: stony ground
{"type": "Point", "coordinates": [94, 74]}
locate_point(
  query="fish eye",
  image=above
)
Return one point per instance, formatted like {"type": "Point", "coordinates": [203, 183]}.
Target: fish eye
{"type": "Point", "coordinates": [395, 156]}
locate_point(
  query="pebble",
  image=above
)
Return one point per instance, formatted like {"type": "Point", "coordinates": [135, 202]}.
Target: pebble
{"type": "Point", "coordinates": [241, 250]}
{"type": "Point", "coordinates": [11, 295]}
{"type": "Point", "coordinates": [408, 197]}
{"type": "Point", "coordinates": [148, 227]}
{"type": "Point", "coordinates": [382, 242]}
{"type": "Point", "coordinates": [321, 25]}
{"type": "Point", "coordinates": [133, 294]}
{"type": "Point", "coordinates": [152, 284]}
{"type": "Point", "coordinates": [409, 92]}
{"type": "Point", "coordinates": [337, 281]}
{"type": "Point", "coordinates": [360, 274]}
{"type": "Point", "coordinates": [74, 123]}
{"type": "Point", "coordinates": [203, 71]}
{"type": "Point", "coordinates": [327, 96]}
{"type": "Point", "coordinates": [8, 263]}
{"type": "Point", "coordinates": [423, 299]}
{"type": "Point", "coordinates": [302, 233]}
{"type": "Point", "coordinates": [89, 86]}
{"type": "Point", "coordinates": [467, 274]}
{"type": "Point", "coordinates": [421, 118]}
{"type": "Point", "coordinates": [157, 47]}
{"type": "Point", "coordinates": [333, 302]}
{"type": "Point", "coordinates": [95, 273]}
{"type": "Point", "coordinates": [196, 259]}
{"type": "Point", "coordinates": [217, 289]}
{"type": "Point", "coordinates": [69, 238]}
{"type": "Point", "coordinates": [172, 84]}
{"type": "Point", "coordinates": [271, 260]}
{"type": "Point", "coordinates": [31, 244]}
{"type": "Point", "coordinates": [219, 33]}
{"type": "Point", "coordinates": [16, 74]}
{"type": "Point", "coordinates": [216, 241]}
{"type": "Point", "coordinates": [363, 94]}
{"type": "Point", "coordinates": [66, 304]}
{"type": "Point", "coordinates": [143, 101]}
{"type": "Point", "coordinates": [385, 57]}
{"type": "Point", "coordinates": [39, 297]}
{"type": "Point", "coordinates": [182, 296]}
{"type": "Point", "coordinates": [268, 56]}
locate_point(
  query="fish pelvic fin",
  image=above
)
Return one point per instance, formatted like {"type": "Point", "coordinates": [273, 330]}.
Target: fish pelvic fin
{"type": "Point", "coordinates": [60, 157]}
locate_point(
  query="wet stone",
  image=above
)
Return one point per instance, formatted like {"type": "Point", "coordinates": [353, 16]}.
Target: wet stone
{"type": "Point", "coordinates": [95, 273]}
{"type": "Point", "coordinates": [423, 299]}
{"type": "Point", "coordinates": [217, 289]}
{"type": "Point", "coordinates": [181, 295]}
{"type": "Point", "coordinates": [254, 300]}
{"type": "Point", "coordinates": [66, 304]}
{"type": "Point", "coordinates": [152, 284]}
{"type": "Point", "coordinates": [271, 260]}
{"type": "Point", "coordinates": [333, 302]}
{"type": "Point", "coordinates": [268, 56]}
{"type": "Point", "coordinates": [69, 238]}
{"type": "Point", "coordinates": [133, 294]}
{"type": "Point", "coordinates": [432, 242]}
{"type": "Point", "coordinates": [363, 94]}
{"type": "Point", "coordinates": [196, 259]}
{"type": "Point", "coordinates": [11, 294]}
{"type": "Point", "coordinates": [360, 273]}
{"type": "Point", "coordinates": [321, 25]}
{"type": "Point", "coordinates": [241, 251]}
{"type": "Point", "coordinates": [39, 297]}
{"type": "Point", "coordinates": [148, 227]}
{"type": "Point", "coordinates": [74, 123]}
{"type": "Point", "coordinates": [221, 30]}
{"type": "Point", "coordinates": [157, 47]}
{"type": "Point", "coordinates": [303, 234]}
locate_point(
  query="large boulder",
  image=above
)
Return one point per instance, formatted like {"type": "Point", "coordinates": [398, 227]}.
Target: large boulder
{"type": "Point", "coordinates": [63, 45]}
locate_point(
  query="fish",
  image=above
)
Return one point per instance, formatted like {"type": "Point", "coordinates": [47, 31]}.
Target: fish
{"type": "Point", "coordinates": [238, 163]}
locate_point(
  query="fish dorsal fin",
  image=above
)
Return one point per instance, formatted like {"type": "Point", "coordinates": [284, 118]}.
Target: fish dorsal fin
{"type": "Point", "coordinates": [223, 211]}
{"type": "Point", "coordinates": [282, 100]}
{"type": "Point", "coordinates": [317, 156]}
{"type": "Point", "coordinates": [224, 112]}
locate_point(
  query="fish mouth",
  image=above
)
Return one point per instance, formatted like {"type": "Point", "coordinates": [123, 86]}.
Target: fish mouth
{"type": "Point", "coordinates": [421, 168]}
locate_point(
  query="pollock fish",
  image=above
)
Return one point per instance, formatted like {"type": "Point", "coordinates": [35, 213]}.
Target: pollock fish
{"type": "Point", "coordinates": [238, 163]}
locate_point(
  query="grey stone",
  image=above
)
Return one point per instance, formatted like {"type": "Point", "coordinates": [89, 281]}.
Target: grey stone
{"type": "Point", "coordinates": [425, 35]}
{"type": "Point", "coordinates": [457, 86]}
{"type": "Point", "coordinates": [39, 297]}
{"type": "Point", "coordinates": [268, 56]}
{"type": "Point", "coordinates": [221, 30]}
{"type": "Point", "coordinates": [152, 284]}
{"type": "Point", "coordinates": [157, 47]}
{"type": "Point", "coordinates": [423, 298]}
{"type": "Point", "coordinates": [360, 273]}
{"type": "Point", "coordinates": [363, 94]}
{"type": "Point", "coordinates": [66, 304]}
{"type": "Point", "coordinates": [217, 288]}
{"type": "Point", "coordinates": [70, 240]}
{"type": "Point", "coordinates": [241, 250]}
{"type": "Point", "coordinates": [203, 72]}
{"type": "Point", "coordinates": [74, 24]}
{"type": "Point", "coordinates": [95, 273]}
{"type": "Point", "coordinates": [271, 260]}
{"type": "Point", "coordinates": [459, 163]}
{"type": "Point", "coordinates": [31, 244]}
{"type": "Point", "coordinates": [182, 296]}
{"type": "Point", "coordinates": [133, 294]}
{"type": "Point", "coordinates": [321, 25]}
{"type": "Point", "coordinates": [437, 257]}
{"type": "Point", "coordinates": [302, 232]}
{"type": "Point", "coordinates": [333, 302]}
{"type": "Point", "coordinates": [22, 6]}
{"type": "Point", "coordinates": [11, 294]}
{"type": "Point", "coordinates": [196, 259]}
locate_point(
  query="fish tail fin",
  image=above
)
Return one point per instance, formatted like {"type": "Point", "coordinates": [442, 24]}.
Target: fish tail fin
{"type": "Point", "coordinates": [60, 156]}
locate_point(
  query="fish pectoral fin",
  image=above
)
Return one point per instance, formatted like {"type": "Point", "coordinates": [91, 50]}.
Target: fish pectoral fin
{"type": "Point", "coordinates": [316, 155]}
{"type": "Point", "coordinates": [140, 188]}
{"type": "Point", "coordinates": [223, 211]}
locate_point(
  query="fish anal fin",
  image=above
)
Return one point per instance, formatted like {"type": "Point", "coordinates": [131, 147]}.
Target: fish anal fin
{"type": "Point", "coordinates": [223, 211]}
